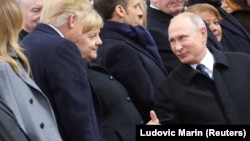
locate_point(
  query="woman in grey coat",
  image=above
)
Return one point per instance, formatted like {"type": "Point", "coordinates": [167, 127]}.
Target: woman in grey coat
{"type": "Point", "coordinates": [17, 90]}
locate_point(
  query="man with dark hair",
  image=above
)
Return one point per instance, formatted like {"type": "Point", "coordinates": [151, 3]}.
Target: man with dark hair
{"type": "Point", "coordinates": [129, 52]}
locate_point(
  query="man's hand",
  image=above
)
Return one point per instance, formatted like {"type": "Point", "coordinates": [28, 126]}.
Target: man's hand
{"type": "Point", "coordinates": [154, 120]}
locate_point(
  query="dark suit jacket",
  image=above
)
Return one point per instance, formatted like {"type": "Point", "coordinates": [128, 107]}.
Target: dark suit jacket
{"type": "Point", "coordinates": [188, 97]}
{"type": "Point", "coordinates": [157, 24]}
{"type": "Point", "coordinates": [119, 114]}
{"type": "Point", "coordinates": [59, 70]}
{"type": "Point", "coordinates": [133, 66]}
{"type": "Point", "coordinates": [22, 34]}
{"type": "Point", "coordinates": [9, 128]}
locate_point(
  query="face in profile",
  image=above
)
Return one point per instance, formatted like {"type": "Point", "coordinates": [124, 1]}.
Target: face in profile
{"type": "Point", "coordinates": [32, 11]}
{"type": "Point", "coordinates": [187, 41]}
{"type": "Point", "coordinates": [88, 44]}
{"type": "Point", "coordinates": [133, 12]}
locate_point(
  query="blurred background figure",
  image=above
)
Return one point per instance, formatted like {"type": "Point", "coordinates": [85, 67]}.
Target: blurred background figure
{"type": "Point", "coordinates": [240, 10]}
{"type": "Point", "coordinates": [248, 2]}
{"type": "Point", "coordinates": [31, 11]}
{"type": "Point", "coordinates": [229, 6]}
{"type": "Point", "coordinates": [234, 5]}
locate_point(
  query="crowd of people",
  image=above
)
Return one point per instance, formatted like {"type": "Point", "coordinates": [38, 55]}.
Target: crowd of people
{"type": "Point", "coordinates": [91, 70]}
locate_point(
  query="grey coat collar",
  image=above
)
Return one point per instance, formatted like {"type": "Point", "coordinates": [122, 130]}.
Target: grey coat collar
{"type": "Point", "coordinates": [23, 74]}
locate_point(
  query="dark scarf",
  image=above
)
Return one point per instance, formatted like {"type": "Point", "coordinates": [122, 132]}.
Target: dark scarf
{"type": "Point", "coordinates": [138, 34]}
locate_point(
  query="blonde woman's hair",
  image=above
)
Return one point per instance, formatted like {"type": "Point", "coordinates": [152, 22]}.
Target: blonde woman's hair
{"type": "Point", "coordinates": [197, 8]}
{"type": "Point", "coordinates": [11, 22]}
{"type": "Point", "coordinates": [92, 21]}
{"type": "Point", "coordinates": [57, 15]}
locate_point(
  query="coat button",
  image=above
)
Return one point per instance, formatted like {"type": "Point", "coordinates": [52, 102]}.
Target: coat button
{"type": "Point", "coordinates": [31, 101]}
{"type": "Point", "coordinates": [111, 77]}
{"type": "Point", "coordinates": [128, 99]}
{"type": "Point", "coordinates": [42, 125]}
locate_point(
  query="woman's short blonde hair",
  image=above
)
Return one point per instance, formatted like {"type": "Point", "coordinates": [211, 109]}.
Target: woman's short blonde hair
{"type": "Point", "coordinates": [92, 21]}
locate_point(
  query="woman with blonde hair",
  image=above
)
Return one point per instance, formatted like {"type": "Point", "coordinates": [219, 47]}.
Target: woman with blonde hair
{"type": "Point", "coordinates": [17, 90]}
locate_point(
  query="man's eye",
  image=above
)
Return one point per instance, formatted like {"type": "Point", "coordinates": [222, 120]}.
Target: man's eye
{"type": "Point", "coordinates": [35, 10]}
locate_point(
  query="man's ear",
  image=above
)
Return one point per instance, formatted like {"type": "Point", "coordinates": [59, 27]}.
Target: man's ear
{"type": "Point", "coordinates": [204, 33]}
{"type": "Point", "coordinates": [120, 11]}
{"type": "Point", "coordinates": [71, 21]}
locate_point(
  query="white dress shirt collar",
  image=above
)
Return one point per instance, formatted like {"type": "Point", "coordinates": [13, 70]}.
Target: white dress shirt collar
{"type": "Point", "coordinates": [208, 61]}
{"type": "Point", "coordinates": [59, 32]}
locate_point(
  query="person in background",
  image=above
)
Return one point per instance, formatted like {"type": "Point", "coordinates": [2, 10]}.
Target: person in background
{"type": "Point", "coordinates": [31, 11]}
{"type": "Point", "coordinates": [210, 15]}
{"type": "Point", "coordinates": [229, 6]}
{"type": "Point", "coordinates": [58, 68]}
{"type": "Point", "coordinates": [234, 36]}
{"type": "Point", "coordinates": [20, 96]}
{"type": "Point", "coordinates": [159, 13]}
{"type": "Point", "coordinates": [240, 10]}
{"type": "Point", "coordinates": [129, 53]}
{"type": "Point", "coordinates": [248, 2]}
{"type": "Point", "coordinates": [210, 86]}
